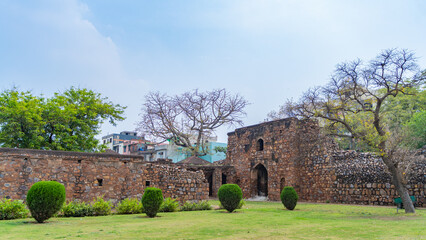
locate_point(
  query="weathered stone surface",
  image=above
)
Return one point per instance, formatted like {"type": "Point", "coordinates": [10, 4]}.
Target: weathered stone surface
{"type": "Point", "coordinates": [295, 155]}
{"type": "Point", "coordinates": [88, 175]}
{"type": "Point", "coordinates": [261, 159]}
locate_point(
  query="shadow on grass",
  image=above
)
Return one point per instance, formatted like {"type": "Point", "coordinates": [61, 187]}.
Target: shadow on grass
{"type": "Point", "coordinates": [145, 216]}
{"type": "Point", "coordinates": [35, 222]}
{"type": "Point", "coordinates": [294, 210]}
{"type": "Point", "coordinates": [224, 211]}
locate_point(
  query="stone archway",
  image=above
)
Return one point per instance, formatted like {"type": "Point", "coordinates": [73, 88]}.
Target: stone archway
{"type": "Point", "coordinates": [261, 175]}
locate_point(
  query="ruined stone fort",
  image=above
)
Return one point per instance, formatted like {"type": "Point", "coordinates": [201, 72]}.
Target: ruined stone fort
{"type": "Point", "coordinates": [261, 159]}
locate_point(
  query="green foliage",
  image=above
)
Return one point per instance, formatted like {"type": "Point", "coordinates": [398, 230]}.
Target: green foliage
{"type": "Point", "coordinates": [230, 196]}
{"type": "Point", "coordinates": [397, 111]}
{"type": "Point", "coordinates": [129, 206]}
{"type": "Point", "coordinates": [100, 207]}
{"type": "Point", "coordinates": [289, 198]}
{"type": "Point", "coordinates": [400, 109]}
{"type": "Point", "coordinates": [12, 209]}
{"type": "Point", "coordinates": [169, 205]}
{"type": "Point", "coordinates": [240, 205]}
{"type": "Point", "coordinates": [152, 200]}
{"type": "Point", "coordinates": [76, 209]}
{"type": "Point", "coordinates": [21, 122]}
{"type": "Point", "coordinates": [219, 149]}
{"type": "Point", "coordinates": [196, 206]}
{"type": "Point", "coordinates": [188, 206]}
{"type": "Point", "coordinates": [44, 199]}
{"type": "Point", "coordinates": [68, 121]}
{"type": "Point", "coordinates": [417, 129]}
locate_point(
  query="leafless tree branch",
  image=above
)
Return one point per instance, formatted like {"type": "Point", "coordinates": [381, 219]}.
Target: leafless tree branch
{"type": "Point", "coordinates": [191, 114]}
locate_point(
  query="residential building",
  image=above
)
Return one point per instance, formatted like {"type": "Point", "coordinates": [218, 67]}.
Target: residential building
{"type": "Point", "coordinates": [120, 142]}
{"type": "Point", "coordinates": [128, 143]}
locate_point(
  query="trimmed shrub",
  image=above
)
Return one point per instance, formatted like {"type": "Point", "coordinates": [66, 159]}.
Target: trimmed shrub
{"type": "Point", "coordinates": [100, 207]}
{"type": "Point", "coordinates": [44, 199]}
{"type": "Point", "coordinates": [289, 198]}
{"type": "Point", "coordinates": [76, 209]}
{"type": "Point", "coordinates": [152, 200]}
{"type": "Point", "coordinates": [12, 209]}
{"type": "Point", "coordinates": [129, 206]}
{"type": "Point", "coordinates": [169, 205]}
{"type": "Point", "coordinates": [194, 206]}
{"type": "Point", "coordinates": [240, 205]}
{"type": "Point", "coordinates": [230, 196]}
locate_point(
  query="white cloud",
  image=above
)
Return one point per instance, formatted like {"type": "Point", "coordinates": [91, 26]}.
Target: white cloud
{"type": "Point", "coordinates": [52, 45]}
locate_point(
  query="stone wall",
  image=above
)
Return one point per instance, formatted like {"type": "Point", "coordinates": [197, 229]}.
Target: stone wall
{"type": "Point", "coordinates": [362, 178]}
{"type": "Point", "coordinates": [87, 175]}
{"type": "Point", "coordinates": [295, 154]}
{"type": "Point", "coordinates": [278, 156]}
{"type": "Point", "coordinates": [215, 175]}
{"type": "Point", "coordinates": [261, 159]}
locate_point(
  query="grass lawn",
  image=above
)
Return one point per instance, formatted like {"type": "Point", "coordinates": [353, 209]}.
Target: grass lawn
{"type": "Point", "coordinates": [257, 220]}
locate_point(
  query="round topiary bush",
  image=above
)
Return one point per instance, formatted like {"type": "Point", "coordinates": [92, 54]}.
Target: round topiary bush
{"type": "Point", "coordinates": [152, 200]}
{"type": "Point", "coordinates": [289, 198]}
{"type": "Point", "coordinates": [44, 199]}
{"type": "Point", "coordinates": [230, 196]}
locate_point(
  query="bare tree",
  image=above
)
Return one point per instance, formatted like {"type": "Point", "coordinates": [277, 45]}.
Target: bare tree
{"type": "Point", "coordinates": [189, 119]}
{"type": "Point", "coordinates": [351, 105]}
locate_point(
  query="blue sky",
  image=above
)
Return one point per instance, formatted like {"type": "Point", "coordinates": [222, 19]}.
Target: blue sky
{"type": "Point", "coordinates": [265, 50]}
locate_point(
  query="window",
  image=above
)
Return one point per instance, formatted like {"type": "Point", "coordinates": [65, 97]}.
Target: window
{"type": "Point", "coordinates": [100, 181]}
{"type": "Point", "coordinates": [124, 148]}
{"type": "Point", "coordinates": [223, 179]}
{"type": "Point", "coordinates": [147, 183]}
{"type": "Point", "coordinates": [259, 145]}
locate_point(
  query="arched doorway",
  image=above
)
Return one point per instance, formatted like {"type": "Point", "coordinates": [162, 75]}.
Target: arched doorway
{"type": "Point", "coordinates": [262, 180]}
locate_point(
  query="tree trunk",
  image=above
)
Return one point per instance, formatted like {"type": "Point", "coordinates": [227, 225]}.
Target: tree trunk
{"type": "Point", "coordinates": [397, 180]}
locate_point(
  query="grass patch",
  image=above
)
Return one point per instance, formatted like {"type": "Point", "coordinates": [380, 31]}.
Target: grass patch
{"type": "Point", "coordinates": [257, 220]}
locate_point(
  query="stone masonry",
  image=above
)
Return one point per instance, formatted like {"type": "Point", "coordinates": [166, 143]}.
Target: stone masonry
{"type": "Point", "coordinates": [88, 175]}
{"type": "Point", "coordinates": [261, 159]}
{"type": "Point", "coordinates": [291, 152]}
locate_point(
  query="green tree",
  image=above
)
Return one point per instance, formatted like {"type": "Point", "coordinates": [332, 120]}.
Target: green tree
{"type": "Point", "coordinates": [21, 122]}
{"type": "Point", "coordinates": [399, 110]}
{"type": "Point", "coordinates": [417, 129]}
{"type": "Point", "coordinates": [68, 121]}
{"type": "Point", "coordinates": [73, 119]}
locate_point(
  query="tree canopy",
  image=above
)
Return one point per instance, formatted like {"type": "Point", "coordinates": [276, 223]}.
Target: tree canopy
{"type": "Point", "coordinates": [189, 119]}
{"type": "Point", "coordinates": [356, 103]}
{"type": "Point", "coordinates": [67, 121]}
